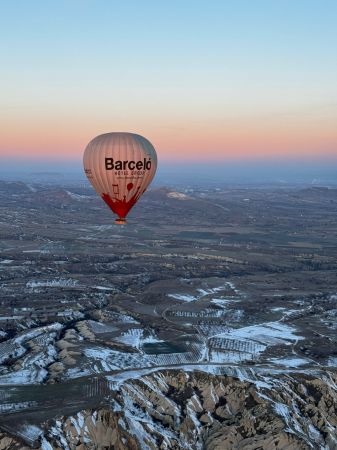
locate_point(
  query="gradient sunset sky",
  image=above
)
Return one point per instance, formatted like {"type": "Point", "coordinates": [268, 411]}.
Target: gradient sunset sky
{"type": "Point", "coordinates": [217, 80]}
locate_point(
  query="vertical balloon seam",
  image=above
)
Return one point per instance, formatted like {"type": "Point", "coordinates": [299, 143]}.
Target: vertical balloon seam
{"type": "Point", "coordinates": [106, 176]}
{"type": "Point", "coordinates": [133, 153]}
{"type": "Point", "coordinates": [140, 180]}
{"type": "Point", "coordinates": [109, 152]}
{"type": "Point", "coordinates": [119, 144]}
{"type": "Point", "coordinates": [100, 164]}
{"type": "Point", "coordinates": [150, 174]}
{"type": "Point", "coordinates": [93, 171]}
{"type": "Point", "coordinates": [92, 154]}
{"type": "Point", "coordinates": [97, 152]}
{"type": "Point", "coordinates": [112, 149]}
{"type": "Point", "coordinates": [126, 151]}
{"type": "Point", "coordinates": [90, 150]}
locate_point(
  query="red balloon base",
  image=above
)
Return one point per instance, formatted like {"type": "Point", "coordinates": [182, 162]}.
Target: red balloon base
{"type": "Point", "coordinates": [120, 221]}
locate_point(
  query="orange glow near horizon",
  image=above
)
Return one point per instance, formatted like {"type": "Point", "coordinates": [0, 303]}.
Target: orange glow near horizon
{"type": "Point", "coordinates": [224, 140]}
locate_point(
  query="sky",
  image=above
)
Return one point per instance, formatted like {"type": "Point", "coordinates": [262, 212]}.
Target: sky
{"type": "Point", "coordinates": [216, 81]}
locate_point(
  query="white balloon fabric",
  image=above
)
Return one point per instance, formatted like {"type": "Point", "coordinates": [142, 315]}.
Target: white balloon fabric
{"type": "Point", "coordinates": [120, 167]}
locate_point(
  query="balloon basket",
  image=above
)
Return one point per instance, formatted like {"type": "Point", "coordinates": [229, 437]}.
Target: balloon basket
{"type": "Point", "coordinates": [120, 221]}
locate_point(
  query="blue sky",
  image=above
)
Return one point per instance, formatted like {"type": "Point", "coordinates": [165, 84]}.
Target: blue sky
{"type": "Point", "coordinates": [248, 78]}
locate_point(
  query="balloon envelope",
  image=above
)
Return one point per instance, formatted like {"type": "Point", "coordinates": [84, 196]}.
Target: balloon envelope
{"type": "Point", "coordinates": [120, 166]}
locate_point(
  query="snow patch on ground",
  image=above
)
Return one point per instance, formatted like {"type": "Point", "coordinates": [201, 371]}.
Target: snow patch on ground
{"type": "Point", "coordinates": [124, 318]}
{"type": "Point", "coordinates": [45, 444]}
{"type": "Point", "coordinates": [247, 343]}
{"type": "Point", "coordinates": [58, 282]}
{"type": "Point", "coordinates": [33, 364]}
{"type": "Point", "coordinates": [30, 334]}
{"type": "Point", "coordinates": [178, 196]}
{"type": "Point", "coordinates": [36, 251]}
{"type": "Point", "coordinates": [332, 362]}
{"type": "Point", "coordinates": [101, 327]}
{"type": "Point", "coordinates": [183, 297]}
{"type": "Point", "coordinates": [104, 288]}
{"type": "Point", "coordinates": [269, 333]}
{"type": "Point", "coordinates": [290, 362]}
{"type": "Point", "coordinates": [151, 340]}
{"type": "Point", "coordinates": [30, 432]}
{"type": "Point", "coordinates": [221, 302]}
{"type": "Point", "coordinates": [71, 313]}
{"type": "Point", "coordinates": [26, 376]}
{"type": "Point", "coordinates": [132, 337]}
{"type": "Point", "coordinates": [201, 293]}
{"type": "Point", "coordinates": [135, 338]}
{"type": "Point", "coordinates": [77, 196]}
{"type": "Point", "coordinates": [104, 357]}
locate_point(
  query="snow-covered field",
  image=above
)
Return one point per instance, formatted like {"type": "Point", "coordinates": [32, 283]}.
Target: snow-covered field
{"type": "Point", "coordinates": [269, 333]}
{"type": "Point", "coordinates": [248, 343]}
{"type": "Point", "coordinates": [100, 359]}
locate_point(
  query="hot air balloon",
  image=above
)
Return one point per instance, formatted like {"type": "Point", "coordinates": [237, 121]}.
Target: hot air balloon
{"type": "Point", "coordinates": [120, 167]}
